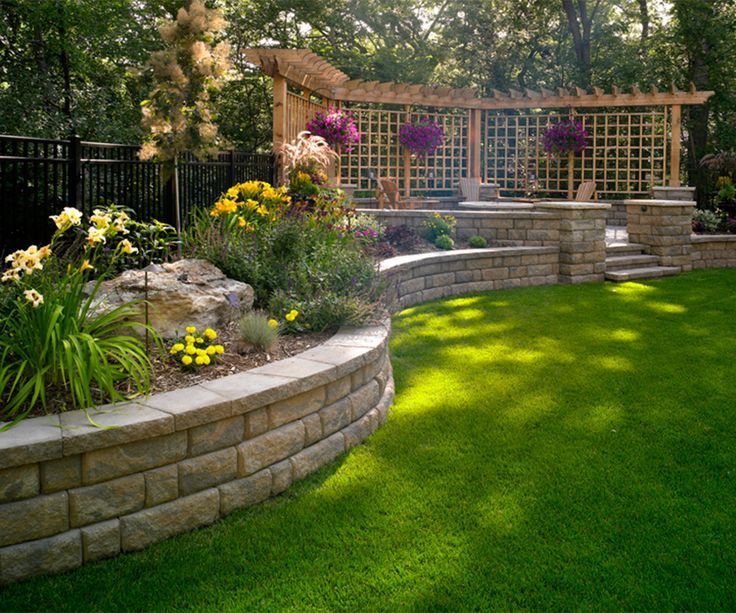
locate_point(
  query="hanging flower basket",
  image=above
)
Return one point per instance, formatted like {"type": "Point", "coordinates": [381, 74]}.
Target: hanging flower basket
{"type": "Point", "coordinates": [337, 127]}
{"type": "Point", "coordinates": [422, 138]}
{"type": "Point", "coordinates": [565, 137]}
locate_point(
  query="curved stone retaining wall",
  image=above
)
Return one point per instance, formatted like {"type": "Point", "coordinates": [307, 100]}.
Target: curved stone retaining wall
{"type": "Point", "coordinates": [417, 278]}
{"type": "Point", "coordinates": [72, 492]}
{"type": "Point", "coordinates": [713, 251]}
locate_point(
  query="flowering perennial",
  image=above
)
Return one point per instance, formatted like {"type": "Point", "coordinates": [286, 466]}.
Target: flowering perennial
{"type": "Point", "coordinates": [196, 351]}
{"type": "Point", "coordinates": [336, 126]}
{"type": "Point", "coordinates": [565, 137]}
{"type": "Point", "coordinates": [422, 138]}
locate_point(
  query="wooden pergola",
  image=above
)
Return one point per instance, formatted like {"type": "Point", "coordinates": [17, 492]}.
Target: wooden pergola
{"type": "Point", "coordinates": [635, 135]}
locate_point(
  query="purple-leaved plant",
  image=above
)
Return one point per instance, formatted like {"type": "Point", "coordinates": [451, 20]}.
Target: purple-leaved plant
{"type": "Point", "coordinates": [564, 137]}
{"type": "Point", "coordinates": [336, 126]}
{"type": "Point", "coordinates": [422, 138]}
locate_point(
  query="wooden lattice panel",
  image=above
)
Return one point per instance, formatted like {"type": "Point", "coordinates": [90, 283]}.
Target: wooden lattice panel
{"type": "Point", "coordinates": [299, 110]}
{"type": "Point", "coordinates": [626, 153]}
{"type": "Point", "coordinates": [380, 154]}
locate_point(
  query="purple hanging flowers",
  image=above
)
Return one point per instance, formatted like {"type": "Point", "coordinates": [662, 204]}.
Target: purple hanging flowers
{"type": "Point", "coordinates": [336, 126]}
{"type": "Point", "coordinates": [564, 137]}
{"type": "Point", "coordinates": [422, 138]}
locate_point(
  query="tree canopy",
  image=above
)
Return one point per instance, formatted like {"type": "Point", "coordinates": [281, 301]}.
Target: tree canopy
{"type": "Point", "coordinates": [77, 65]}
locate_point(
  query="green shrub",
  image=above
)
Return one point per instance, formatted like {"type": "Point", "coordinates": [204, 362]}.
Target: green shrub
{"type": "Point", "coordinates": [444, 242]}
{"type": "Point", "coordinates": [438, 225]}
{"type": "Point", "coordinates": [706, 221]}
{"type": "Point", "coordinates": [477, 242]}
{"type": "Point", "coordinates": [296, 250]}
{"type": "Point", "coordinates": [259, 331]}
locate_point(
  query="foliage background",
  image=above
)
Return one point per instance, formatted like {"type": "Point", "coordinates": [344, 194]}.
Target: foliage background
{"type": "Point", "coordinates": [76, 65]}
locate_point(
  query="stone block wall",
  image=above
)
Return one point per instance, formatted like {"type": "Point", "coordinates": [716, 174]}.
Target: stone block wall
{"type": "Point", "coordinates": [664, 226]}
{"type": "Point", "coordinates": [714, 251]}
{"type": "Point", "coordinates": [413, 279]}
{"type": "Point", "coordinates": [502, 228]}
{"type": "Point", "coordinates": [72, 493]}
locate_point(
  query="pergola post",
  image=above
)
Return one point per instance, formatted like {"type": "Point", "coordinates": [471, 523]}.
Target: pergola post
{"type": "Point", "coordinates": [676, 128]}
{"type": "Point", "coordinates": [407, 158]}
{"type": "Point", "coordinates": [474, 144]}
{"type": "Point", "coordinates": [279, 111]}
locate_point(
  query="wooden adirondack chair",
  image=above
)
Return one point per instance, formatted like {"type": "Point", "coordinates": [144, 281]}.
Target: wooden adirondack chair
{"type": "Point", "coordinates": [586, 192]}
{"type": "Point", "coordinates": [388, 194]}
{"type": "Point", "coordinates": [470, 188]}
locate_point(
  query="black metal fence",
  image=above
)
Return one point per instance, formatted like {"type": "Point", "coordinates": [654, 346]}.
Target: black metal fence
{"type": "Point", "coordinates": [39, 177]}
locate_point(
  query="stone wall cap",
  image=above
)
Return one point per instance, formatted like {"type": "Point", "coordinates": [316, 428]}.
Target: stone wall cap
{"type": "Point", "coordinates": [669, 188]}
{"type": "Point", "coordinates": [662, 203]}
{"type": "Point", "coordinates": [573, 206]}
{"type": "Point", "coordinates": [502, 213]}
{"type": "Point", "coordinates": [713, 238]}
{"type": "Point", "coordinates": [31, 440]}
{"type": "Point", "coordinates": [459, 254]}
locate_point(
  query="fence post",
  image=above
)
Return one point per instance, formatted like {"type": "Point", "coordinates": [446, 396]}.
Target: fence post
{"type": "Point", "coordinates": [169, 206]}
{"type": "Point", "coordinates": [231, 169]}
{"type": "Point", "coordinates": [74, 187]}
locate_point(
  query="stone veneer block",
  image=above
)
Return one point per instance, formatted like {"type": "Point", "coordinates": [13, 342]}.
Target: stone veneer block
{"type": "Point", "coordinates": [296, 407]}
{"type": "Point", "coordinates": [19, 482]}
{"type": "Point", "coordinates": [357, 432]}
{"type": "Point", "coordinates": [245, 492]}
{"type": "Point", "coordinates": [121, 423]}
{"type": "Point", "coordinates": [33, 518]}
{"type": "Point", "coordinates": [112, 462]}
{"type": "Point", "coordinates": [62, 474]}
{"type": "Point", "coordinates": [216, 435]}
{"type": "Point", "coordinates": [336, 416]}
{"type": "Point", "coordinates": [30, 441]}
{"type": "Point", "coordinates": [191, 406]}
{"type": "Point", "coordinates": [338, 389]}
{"type": "Point", "coordinates": [166, 520]}
{"type": "Point", "coordinates": [262, 451]}
{"type": "Point", "coordinates": [312, 429]}
{"type": "Point", "coordinates": [281, 476]}
{"type": "Point", "coordinates": [207, 470]}
{"type": "Point", "coordinates": [315, 457]}
{"type": "Point", "coordinates": [95, 503]}
{"type": "Point", "coordinates": [50, 555]}
{"type": "Point", "coordinates": [364, 399]}
{"type": "Point", "coordinates": [249, 390]}
{"type": "Point", "coordinates": [162, 484]}
{"type": "Point", "coordinates": [309, 374]}
{"type": "Point", "coordinates": [256, 423]}
{"type": "Point", "coordinates": [101, 540]}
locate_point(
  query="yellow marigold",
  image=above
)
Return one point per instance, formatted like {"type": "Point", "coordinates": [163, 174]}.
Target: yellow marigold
{"type": "Point", "coordinates": [189, 339]}
{"type": "Point", "coordinates": [199, 340]}
{"type": "Point", "coordinates": [291, 315]}
{"type": "Point", "coordinates": [219, 349]}
{"type": "Point", "coordinates": [190, 329]}
{"type": "Point", "coordinates": [199, 360]}
{"type": "Point", "coordinates": [210, 334]}
{"type": "Point", "coordinates": [206, 359]}
{"type": "Point", "coordinates": [190, 349]}
{"type": "Point", "coordinates": [272, 323]}
{"type": "Point", "coordinates": [200, 351]}
{"type": "Point", "coordinates": [186, 360]}
{"type": "Point", "coordinates": [210, 350]}
{"type": "Point", "coordinates": [176, 348]}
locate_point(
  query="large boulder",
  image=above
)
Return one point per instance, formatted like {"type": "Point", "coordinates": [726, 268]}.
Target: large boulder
{"type": "Point", "coordinates": [189, 292]}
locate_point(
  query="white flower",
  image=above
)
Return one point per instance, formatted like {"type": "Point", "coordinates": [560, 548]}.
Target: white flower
{"type": "Point", "coordinates": [33, 297]}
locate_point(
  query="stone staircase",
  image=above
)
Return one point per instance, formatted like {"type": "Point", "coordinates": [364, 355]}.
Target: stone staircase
{"type": "Point", "coordinates": [629, 262]}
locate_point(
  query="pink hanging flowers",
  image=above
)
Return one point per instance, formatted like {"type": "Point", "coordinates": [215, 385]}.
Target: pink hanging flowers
{"type": "Point", "coordinates": [336, 126]}
{"type": "Point", "coordinates": [564, 137]}
{"type": "Point", "coordinates": [422, 138]}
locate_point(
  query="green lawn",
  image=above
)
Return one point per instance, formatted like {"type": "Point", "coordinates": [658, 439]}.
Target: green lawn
{"type": "Point", "coordinates": [560, 447]}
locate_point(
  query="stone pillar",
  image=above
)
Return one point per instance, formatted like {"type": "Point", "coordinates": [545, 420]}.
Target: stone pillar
{"type": "Point", "coordinates": [582, 239]}
{"type": "Point", "coordinates": [682, 192]}
{"type": "Point", "coordinates": [664, 226]}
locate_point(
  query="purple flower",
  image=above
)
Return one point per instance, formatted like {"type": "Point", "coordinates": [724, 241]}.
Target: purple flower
{"type": "Point", "coordinates": [422, 138]}
{"type": "Point", "coordinates": [564, 137]}
{"type": "Point", "coordinates": [337, 127]}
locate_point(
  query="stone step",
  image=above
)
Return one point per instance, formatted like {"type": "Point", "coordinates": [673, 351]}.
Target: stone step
{"type": "Point", "coordinates": [624, 262]}
{"type": "Point", "coordinates": [648, 272]}
{"type": "Point", "coordinates": [625, 248]}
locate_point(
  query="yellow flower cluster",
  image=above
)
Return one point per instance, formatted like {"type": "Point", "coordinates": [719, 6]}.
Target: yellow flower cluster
{"type": "Point", "coordinates": [25, 261]}
{"type": "Point", "coordinates": [67, 218]}
{"type": "Point", "coordinates": [252, 202]}
{"type": "Point", "coordinates": [197, 350]}
{"type": "Point", "coordinates": [105, 225]}
{"type": "Point", "coordinates": [291, 315]}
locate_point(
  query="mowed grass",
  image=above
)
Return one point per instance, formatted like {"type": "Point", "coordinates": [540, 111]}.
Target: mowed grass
{"type": "Point", "coordinates": [550, 448]}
